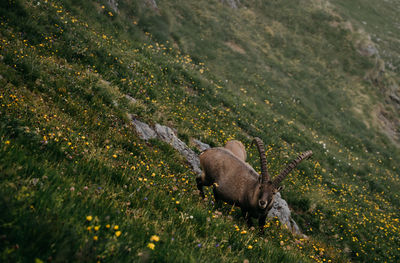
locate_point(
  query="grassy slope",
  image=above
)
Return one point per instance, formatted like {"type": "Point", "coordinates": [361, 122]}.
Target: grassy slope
{"type": "Point", "coordinates": [302, 58]}
{"type": "Point", "coordinates": [68, 150]}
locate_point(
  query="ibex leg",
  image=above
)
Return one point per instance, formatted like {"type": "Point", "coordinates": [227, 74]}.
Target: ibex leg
{"type": "Point", "coordinates": [199, 182]}
{"type": "Point", "coordinates": [261, 223]}
{"type": "Point", "coordinates": [247, 217]}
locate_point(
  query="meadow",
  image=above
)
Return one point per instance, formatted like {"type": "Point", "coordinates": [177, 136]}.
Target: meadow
{"type": "Point", "coordinates": [78, 184]}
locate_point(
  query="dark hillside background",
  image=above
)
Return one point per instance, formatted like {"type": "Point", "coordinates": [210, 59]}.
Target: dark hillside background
{"type": "Point", "coordinates": [78, 184]}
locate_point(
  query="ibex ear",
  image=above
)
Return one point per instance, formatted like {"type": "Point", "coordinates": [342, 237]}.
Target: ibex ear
{"type": "Point", "coordinates": [280, 188]}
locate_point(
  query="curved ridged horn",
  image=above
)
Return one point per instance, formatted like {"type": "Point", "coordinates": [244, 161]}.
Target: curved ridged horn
{"type": "Point", "coordinates": [263, 161]}
{"type": "Point", "coordinates": [290, 167]}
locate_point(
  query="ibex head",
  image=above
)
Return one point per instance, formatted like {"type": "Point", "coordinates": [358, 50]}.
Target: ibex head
{"type": "Point", "coordinates": [267, 187]}
{"type": "Point", "coordinates": [266, 195]}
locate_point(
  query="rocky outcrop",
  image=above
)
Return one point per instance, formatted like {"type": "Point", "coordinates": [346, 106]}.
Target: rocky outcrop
{"type": "Point", "coordinates": [280, 209]}
{"type": "Point", "coordinates": [144, 131]}
{"type": "Point", "coordinates": [232, 3]}
{"type": "Point", "coordinates": [368, 49]}
{"type": "Point", "coordinates": [201, 145]}
{"type": "Point", "coordinates": [389, 125]}
{"type": "Point", "coordinates": [167, 135]}
{"type": "Point", "coordinates": [113, 4]}
{"type": "Point", "coordinates": [152, 4]}
{"type": "Point", "coordinates": [394, 94]}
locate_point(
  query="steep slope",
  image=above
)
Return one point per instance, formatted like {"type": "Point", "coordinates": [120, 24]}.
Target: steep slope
{"type": "Point", "coordinates": [327, 74]}
{"type": "Point", "coordinates": [78, 184]}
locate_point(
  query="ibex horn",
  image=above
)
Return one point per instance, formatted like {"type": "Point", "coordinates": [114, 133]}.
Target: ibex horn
{"type": "Point", "coordinates": [290, 167]}
{"type": "Point", "coordinates": [264, 172]}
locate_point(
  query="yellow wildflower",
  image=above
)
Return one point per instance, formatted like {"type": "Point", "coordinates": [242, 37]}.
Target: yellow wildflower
{"type": "Point", "coordinates": [118, 233]}
{"type": "Point", "coordinates": [151, 246]}
{"type": "Point", "coordinates": [116, 227]}
{"type": "Point", "coordinates": [89, 218]}
{"type": "Point", "coordinates": [96, 228]}
{"type": "Point", "coordinates": [95, 238]}
{"type": "Point", "coordinates": [155, 238]}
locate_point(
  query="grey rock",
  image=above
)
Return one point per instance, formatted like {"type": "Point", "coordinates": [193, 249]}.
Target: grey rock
{"type": "Point", "coordinates": [368, 50]}
{"type": "Point", "coordinates": [131, 99]}
{"type": "Point", "coordinates": [145, 131]}
{"type": "Point", "coordinates": [232, 3]}
{"type": "Point", "coordinates": [34, 181]}
{"type": "Point", "coordinates": [152, 4]}
{"type": "Point", "coordinates": [113, 5]}
{"type": "Point", "coordinates": [394, 94]}
{"type": "Point", "coordinates": [167, 134]}
{"type": "Point", "coordinates": [280, 209]}
{"type": "Point", "coordinates": [201, 145]}
{"type": "Point", "coordinates": [395, 98]}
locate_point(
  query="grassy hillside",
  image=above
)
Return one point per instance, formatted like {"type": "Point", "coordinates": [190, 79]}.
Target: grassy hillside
{"type": "Point", "coordinates": [77, 183]}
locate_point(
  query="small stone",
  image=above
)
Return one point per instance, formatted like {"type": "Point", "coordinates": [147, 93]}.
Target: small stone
{"type": "Point", "coordinates": [131, 99]}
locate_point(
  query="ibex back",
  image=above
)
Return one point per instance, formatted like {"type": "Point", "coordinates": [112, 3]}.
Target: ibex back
{"type": "Point", "coordinates": [237, 148]}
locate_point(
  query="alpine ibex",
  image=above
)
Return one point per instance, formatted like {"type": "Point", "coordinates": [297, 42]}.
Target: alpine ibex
{"type": "Point", "coordinates": [237, 148]}
{"type": "Point", "coordinates": [237, 183]}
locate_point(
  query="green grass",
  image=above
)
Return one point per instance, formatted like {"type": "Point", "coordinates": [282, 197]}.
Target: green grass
{"type": "Point", "coordinates": [283, 71]}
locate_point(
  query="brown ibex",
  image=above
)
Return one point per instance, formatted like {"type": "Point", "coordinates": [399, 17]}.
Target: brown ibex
{"type": "Point", "coordinates": [237, 183]}
{"type": "Point", "coordinates": [237, 148]}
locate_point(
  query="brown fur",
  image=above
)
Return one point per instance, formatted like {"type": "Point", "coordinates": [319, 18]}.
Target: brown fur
{"type": "Point", "coordinates": [237, 148]}
{"type": "Point", "coordinates": [235, 182]}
